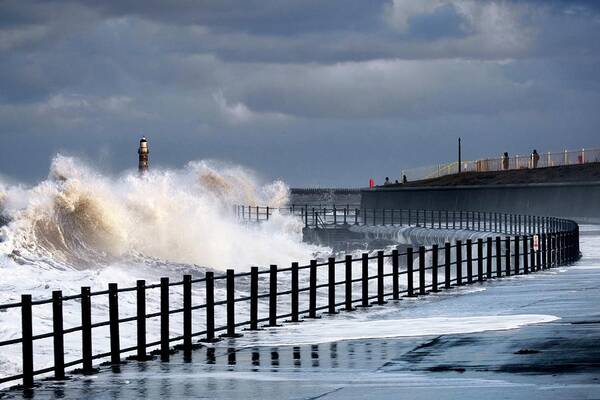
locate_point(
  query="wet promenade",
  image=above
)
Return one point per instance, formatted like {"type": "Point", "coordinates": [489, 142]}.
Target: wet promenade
{"type": "Point", "coordinates": [464, 352]}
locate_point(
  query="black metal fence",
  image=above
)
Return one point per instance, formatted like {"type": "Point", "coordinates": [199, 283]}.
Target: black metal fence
{"type": "Point", "coordinates": [483, 221]}
{"type": "Point", "coordinates": [545, 243]}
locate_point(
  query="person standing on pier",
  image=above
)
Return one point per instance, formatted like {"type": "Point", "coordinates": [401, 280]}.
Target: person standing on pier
{"type": "Point", "coordinates": [535, 158]}
{"type": "Point", "coordinates": [505, 161]}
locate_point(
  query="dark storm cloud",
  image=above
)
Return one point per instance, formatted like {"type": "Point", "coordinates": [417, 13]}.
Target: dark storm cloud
{"type": "Point", "coordinates": [276, 84]}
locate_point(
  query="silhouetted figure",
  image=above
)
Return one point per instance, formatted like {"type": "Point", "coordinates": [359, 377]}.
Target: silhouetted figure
{"type": "Point", "coordinates": [387, 181]}
{"type": "Point", "coordinates": [404, 180]}
{"type": "Point", "coordinates": [535, 158]}
{"type": "Point", "coordinates": [396, 182]}
{"type": "Point", "coordinates": [505, 161]}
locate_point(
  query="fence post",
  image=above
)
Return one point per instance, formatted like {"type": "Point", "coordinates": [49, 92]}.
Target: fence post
{"type": "Point", "coordinates": [312, 290]}
{"type": "Point", "coordinates": [409, 272]}
{"type": "Point", "coordinates": [113, 312]}
{"type": "Point", "coordinates": [434, 268]}
{"type": "Point", "coordinates": [348, 283]}
{"type": "Point", "coordinates": [469, 261]}
{"type": "Point", "coordinates": [210, 306]}
{"type": "Point", "coordinates": [86, 330]}
{"type": "Point", "coordinates": [380, 277]}
{"type": "Point", "coordinates": [458, 262]}
{"type": "Point", "coordinates": [532, 265]}
{"type": "Point", "coordinates": [231, 304]}
{"type": "Point", "coordinates": [294, 294]}
{"type": "Point", "coordinates": [544, 252]}
{"type": "Point", "coordinates": [525, 255]}
{"type": "Point", "coordinates": [422, 270]}
{"type": "Point", "coordinates": [480, 260]}
{"type": "Point", "coordinates": [273, 295]}
{"type": "Point", "coordinates": [507, 255]}
{"type": "Point", "coordinates": [27, 338]}
{"type": "Point", "coordinates": [447, 261]}
{"type": "Point", "coordinates": [58, 335]}
{"type": "Point", "coordinates": [395, 274]}
{"type": "Point", "coordinates": [365, 280]}
{"type": "Point", "coordinates": [254, 297]}
{"type": "Point", "coordinates": [488, 261]}
{"type": "Point", "coordinates": [187, 317]}
{"type": "Point", "coordinates": [141, 318]}
{"type": "Point", "coordinates": [356, 211]}
{"type": "Point", "coordinates": [439, 219]}
{"type": "Point", "coordinates": [498, 257]}
{"type": "Point", "coordinates": [164, 319]}
{"type": "Point", "coordinates": [517, 255]}
{"type": "Point", "coordinates": [331, 286]}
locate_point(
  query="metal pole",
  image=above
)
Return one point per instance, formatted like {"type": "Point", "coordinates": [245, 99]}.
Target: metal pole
{"type": "Point", "coordinates": [348, 283]}
{"type": "Point", "coordinates": [27, 340]}
{"type": "Point", "coordinates": [273, 295]}
{"type": "Point", "coordinates": [210, 306]}
{"type": "Point", "coordinates": [409, 272]}
{"type": "Point", "coordinates": [254, 297]}
{"type": "Point", "coordinates": [187, 317]}
{"type": "Point", "coordinates": [86, 330]}
{"type": "Point", "coordinates": [331, 286]}
{"type": "Point", "coordinates": [141, 319]}
{"type": "Point", "coordinates": [113, 312]}
{"type": "Point", "coordinates": [422, 270]}
{"type": "Point", "coordinates": [459, 262]}
{"type": "Point", "coordinates": [395, 274]}
{"type": "Point", "coordinates": [434, 268]}
{"type": "Point", "coordinates": [58, 335]}
{"type": "Point", "coordinates": [164, 319]}
{"type": "Point", "coordinates": [295, 292]}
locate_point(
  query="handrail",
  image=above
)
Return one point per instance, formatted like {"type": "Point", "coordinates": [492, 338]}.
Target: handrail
{"type": "Point", "coordinates": [531, 244]}
{"type": "Point", "coordinates": [513, 162]}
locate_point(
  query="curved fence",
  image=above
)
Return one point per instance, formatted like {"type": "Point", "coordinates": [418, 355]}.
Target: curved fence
{"type": "Point", "coordinates": [342, 215]}
{"type": "Point", "coordinates": [261, 296]}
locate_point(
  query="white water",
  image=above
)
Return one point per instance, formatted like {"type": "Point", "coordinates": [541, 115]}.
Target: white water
{"type": "Point", "coordinates": [324, 331]}
{"type": "Point", "coordinates": [80, 228]}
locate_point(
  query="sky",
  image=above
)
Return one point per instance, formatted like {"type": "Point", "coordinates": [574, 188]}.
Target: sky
{"type": "Point", "coordinates": [314, 92]}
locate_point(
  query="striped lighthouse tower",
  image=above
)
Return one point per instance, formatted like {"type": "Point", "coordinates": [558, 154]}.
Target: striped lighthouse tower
{"type": "Point", "coordinates": [143, 153]}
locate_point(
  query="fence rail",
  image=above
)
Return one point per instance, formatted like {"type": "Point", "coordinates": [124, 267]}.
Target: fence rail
{"type": "Point", "coordinates": [539, 243]}
{"type": "Point", "coordinates": [547, 159]}
{"type": "Point", "coordinates": [345, 216]}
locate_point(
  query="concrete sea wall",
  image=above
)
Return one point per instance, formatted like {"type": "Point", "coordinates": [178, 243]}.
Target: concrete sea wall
{"type": "Point", "coordinates": [578, 201]}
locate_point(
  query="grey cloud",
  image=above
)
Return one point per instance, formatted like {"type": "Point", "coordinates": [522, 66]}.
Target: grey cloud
{"type": "Point", "coordinates": [291, 88]}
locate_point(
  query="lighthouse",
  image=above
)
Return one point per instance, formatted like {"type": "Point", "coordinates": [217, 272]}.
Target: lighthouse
{"type": "Point", "coordinates": [143, 153]}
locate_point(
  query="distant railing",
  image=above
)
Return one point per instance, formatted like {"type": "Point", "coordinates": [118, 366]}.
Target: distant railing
{"type": "Point", "coordinates": [548, 242]}
{"type": "Point", "coordinates": [548, 159]}
{"type": "Point", "coordinates": [344, 215]}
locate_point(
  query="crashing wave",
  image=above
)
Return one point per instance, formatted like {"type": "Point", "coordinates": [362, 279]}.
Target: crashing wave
{"type": "Point", "coordinates": [78, 218]}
